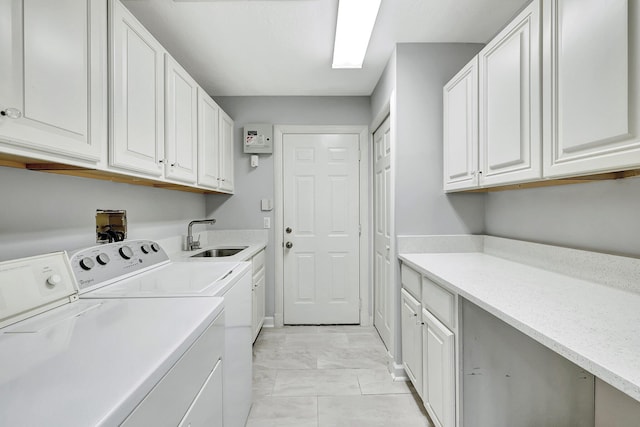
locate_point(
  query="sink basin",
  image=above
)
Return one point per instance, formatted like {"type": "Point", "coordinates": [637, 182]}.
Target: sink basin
{"type": "Point", "coordinates": [219, 252]}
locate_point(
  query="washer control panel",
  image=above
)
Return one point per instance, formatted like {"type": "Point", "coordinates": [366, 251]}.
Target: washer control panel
{"type": "Point", "coordinates": [100, 265]}
{"type": "Point", "coordinates": [29, 286]}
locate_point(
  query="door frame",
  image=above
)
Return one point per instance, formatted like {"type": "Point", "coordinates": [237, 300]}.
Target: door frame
{"type": "Point", "coordinates": [394, 352]}
{"type": "Point", "coordinates": [365, 256]}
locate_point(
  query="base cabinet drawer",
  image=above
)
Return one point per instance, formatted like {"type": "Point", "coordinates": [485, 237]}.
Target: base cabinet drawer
{"type": "Point", "coordinates": [411, 281]}
{"type": "Point", "coordinates": [438, 351]}
{"type": "Point", "coordinates": [438, 301]}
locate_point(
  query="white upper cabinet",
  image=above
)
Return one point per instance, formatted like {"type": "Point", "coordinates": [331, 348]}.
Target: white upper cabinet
{"type": "Point", "coordinates": [137, 95]}
{"type": "Point", "coordinates": [460, 102]}
{"type": "Point", "coordinates": [591, 86]}
{"type": "Point", "coordinates": [181, 121]}
{"type": "Point", "coordinates": [208, 141]}
{"type": "Point", "coordinates": [510, 86]}
{"type": "Point", "coordinates": [226, 152]}
{"type": "Point", "coordinates": [53, 76]}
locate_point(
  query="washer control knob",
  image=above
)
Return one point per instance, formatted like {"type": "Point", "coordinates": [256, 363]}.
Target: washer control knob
{"type": "Point", "coordinates": [103, 259]}
{"type": "Point", "coordinates": [155, 247]}
{"type": "Point", "coordinates": [54, 280]}
{"type": "Point", "coordinates": [145, 248]}
{"type": "Point", "coordinates": [87, 263]}
{"type": "Point", "coordinates": [126, 252]}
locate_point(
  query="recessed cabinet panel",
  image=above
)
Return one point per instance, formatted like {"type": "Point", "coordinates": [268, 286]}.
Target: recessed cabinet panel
{"type": "Point", "coordinates": [137, 95]}
{"type": "Point", "coordinates": [226, 152]}
{"type": "Point", "coordinates": [181, 123]}
{"type": "Point", "coordinates": [509, 90]}
{"type": "Point", "coordinates": [460, 97]}
{"type": "Point", "coordinates": [592, 116]}
{"type": "Point", "coordinates": [439, 374]}
{"type": "Point", "coordinates": [53, 72]}
{"type": "Point", "coordinates": [412, 339]}
{"type": "Point", "coordinates": [208, 141]}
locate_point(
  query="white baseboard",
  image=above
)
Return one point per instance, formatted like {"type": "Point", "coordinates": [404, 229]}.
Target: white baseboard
{"type": "Point", "coordinates": [268, 322]}
{"type": "Point", "coordinates": [398, 373]}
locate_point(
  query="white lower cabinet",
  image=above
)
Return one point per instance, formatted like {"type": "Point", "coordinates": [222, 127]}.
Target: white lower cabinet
{"type": "Point", "coordinates": [258, 293]}
{"type": "Point", "coordinates": [412, 339]}
{"type": "Point", "coordinates": [438, 374]}
{"type": "Point", "coordinates": [428, 346]}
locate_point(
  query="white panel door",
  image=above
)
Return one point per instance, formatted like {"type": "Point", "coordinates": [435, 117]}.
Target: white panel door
{"type": "Point", "coordinates": [52, 76]}
{"type": "Point", "coordinates": [460, 102]}
{"type": "Point", "coordinates": [411, 339]}
{"type": "Point", "coordinates": [510, 134]}
{"type": "Point", "coordinates": [181, 120]}
{"type": "Point", "coordinates": [438, 370]}
{"type": "Point", "coordinates": [226, 152]}
{"type": "Point", "coordinates": [591, 86]}
{"type": "Point", "coordinates": [321, 222]}
{"type": "Point", "coordinates": [382, 289]}
{"type": "Point", "coordinates": [137, 95]}
{"type": "Point", "coordinates": [208, 141]}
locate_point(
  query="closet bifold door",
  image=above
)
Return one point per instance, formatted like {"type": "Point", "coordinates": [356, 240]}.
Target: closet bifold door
{"type": "Point", "coordinates": [591, 87]}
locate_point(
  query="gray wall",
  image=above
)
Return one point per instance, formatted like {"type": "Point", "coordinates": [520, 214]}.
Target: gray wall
{"type": "Point", "coordinates": [421, 206]}
{"type": "Point", "coordinates": [599, 216]}
{"type": "Point", "coordinates": [42, 212]}
{"type": "Point", "coordinates": [242, 211]}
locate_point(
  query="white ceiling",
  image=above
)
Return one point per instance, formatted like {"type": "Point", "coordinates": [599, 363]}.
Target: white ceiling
{"type": "Point", "coordinates": [285, 47]}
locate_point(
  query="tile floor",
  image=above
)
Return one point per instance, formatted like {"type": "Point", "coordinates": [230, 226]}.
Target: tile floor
{"type": "Point", "coordinates": [325, 376]}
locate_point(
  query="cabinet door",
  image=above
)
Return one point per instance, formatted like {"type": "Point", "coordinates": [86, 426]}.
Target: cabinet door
{"type": "Point", "coordinates": [208, 141]}
{"type": "Point", "coordinates": [206, 408]}
{"type": "Point", "coordinates": [226, 152]}
{"type": "Point", "coordinates": [259, 307]}
{"type": "Point", "coordinates": [412, 340]}
{"type": "Point", "coordinates": [52, 63]}
{"type": "Point", "coordinates": [137, 95]}
{"type": "Point", "coordinates": [181, 123]}
{"type": "Point", "coordinates": [591, 86]}
{"type": "Point", "coordinates": [439, 375]}
{"type": "Point", "coordinates": [460, 101]}
{"type": "Point", "coordinates": [510, 134]}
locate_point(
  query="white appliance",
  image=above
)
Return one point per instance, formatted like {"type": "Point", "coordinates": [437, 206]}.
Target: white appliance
{"type": "Point", "coordinates": [103, 362]}
{"type": "Point", "coordinates": [151, 274]}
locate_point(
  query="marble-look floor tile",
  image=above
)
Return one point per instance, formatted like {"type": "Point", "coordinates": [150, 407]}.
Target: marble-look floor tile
{"type": "Point", "coordinates": [263, 382]}
{"type": "Point", "coordinates": [379, 381]}
{"type": "Point", "coordinates": [369, 340]}
{"type": "Point", "coordinates": [317, 341]}
{"type": "Point", "coordinates": [345, 329]}
{"type": "Point", "coordinates": [371, 411]}
{"type": "Point", "coordinates": [316, 382]}
{"type": "Point", "coordinates": [354, 358]}
{"type": "Point", "coordinates": [284, 412]}
{"type": "Point", "coordinates": [278, 358]}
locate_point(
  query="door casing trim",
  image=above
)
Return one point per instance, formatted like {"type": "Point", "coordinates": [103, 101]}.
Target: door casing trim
{"type": "Point", "coordinates": [278, 133]}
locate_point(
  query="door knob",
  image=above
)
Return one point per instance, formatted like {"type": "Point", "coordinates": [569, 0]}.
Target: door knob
{"type": "Point", "coordinates": [288, 245]}
{"type": "Point", "coordinates": [288, 230]}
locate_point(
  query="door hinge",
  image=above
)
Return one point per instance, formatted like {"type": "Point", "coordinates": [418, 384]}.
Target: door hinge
{"type": "Point", "coordinates": [359, 229]}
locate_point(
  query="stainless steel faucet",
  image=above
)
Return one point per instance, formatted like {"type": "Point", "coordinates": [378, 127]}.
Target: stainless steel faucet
{"type": "Point", "coordinates": [191, 244]}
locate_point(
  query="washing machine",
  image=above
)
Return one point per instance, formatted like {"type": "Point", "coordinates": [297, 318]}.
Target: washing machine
{"type": "Point", "coordinates": [141, 269]}
{"type": "Point", "coordinates": [103, 362]}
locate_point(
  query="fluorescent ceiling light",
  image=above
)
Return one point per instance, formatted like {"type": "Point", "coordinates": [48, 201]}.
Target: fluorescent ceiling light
{"type": "Point", "coordinates": [353, 31]}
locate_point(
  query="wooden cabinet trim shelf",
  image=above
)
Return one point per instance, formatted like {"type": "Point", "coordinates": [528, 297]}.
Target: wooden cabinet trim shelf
{"type": "Point", "coordinates": [105, 175]}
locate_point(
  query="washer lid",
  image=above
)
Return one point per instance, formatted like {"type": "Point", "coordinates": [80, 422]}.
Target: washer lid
{"type": "Point", "coordinates": [89, 363]}
{"type": "Point", "coordinates": [172, 280]}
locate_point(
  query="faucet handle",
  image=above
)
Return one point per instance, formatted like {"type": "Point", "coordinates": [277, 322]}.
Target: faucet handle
{"type": "Point", "coordinates": [196, 243]}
